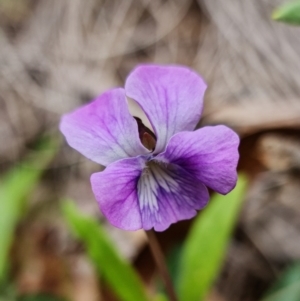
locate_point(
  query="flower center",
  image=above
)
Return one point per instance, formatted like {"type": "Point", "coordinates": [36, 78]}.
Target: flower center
{"type": "Point", "coordinates": [156, 176]}
{"type": "Point", "coordinates": [147, 137]}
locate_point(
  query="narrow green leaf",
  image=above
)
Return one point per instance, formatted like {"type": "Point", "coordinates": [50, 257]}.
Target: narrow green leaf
{"type": "Point", "coordinates": [14, 188]}
{"type": "Point", "coordinates": [287, 287]}
{"type": "Point", "coordinates": [114, 269]}
{"type": "Point", "coordinates": [205, 247]}
{"type": "Point", "coordinates": [288, 13]}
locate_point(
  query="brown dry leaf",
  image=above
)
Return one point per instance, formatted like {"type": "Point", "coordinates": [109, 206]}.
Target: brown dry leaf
{"type": "Point", "coordinates": [279, 152]}
{"type": "Point", "coordinates": [272, 214]}
{"type": "Point", "coordinates": [254, 116]}
{"type": "Point", "coordinates": [252, 65]}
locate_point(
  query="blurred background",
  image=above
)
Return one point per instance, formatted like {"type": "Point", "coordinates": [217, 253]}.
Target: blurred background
{"type": "Point", "coordinates": [58, 54]}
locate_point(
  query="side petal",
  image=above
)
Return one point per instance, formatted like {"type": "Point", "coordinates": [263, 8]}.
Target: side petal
{"type": "Point", "coordinates": [115, 190]}
{"type": "Point", "coordinates": [103, 131]}
{"type": "Point", "coordinates": [171, 96]}
{"type": "Point", "coordinates": [167, 194]}
{"type": "Point", "coordinates": [210, 154]}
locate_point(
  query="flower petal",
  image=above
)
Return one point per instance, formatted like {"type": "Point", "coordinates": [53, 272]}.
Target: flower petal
{"type": "Point", "coordinates": [171, 96]}
{"type": "Point", "coordinates": [116, 193]}
{"type": "Point", "coordinates": [167, 194]}
{"type": "Point", "coordinates": [210, 154]}
{"type": "Point", "coordinates": [104, 131]}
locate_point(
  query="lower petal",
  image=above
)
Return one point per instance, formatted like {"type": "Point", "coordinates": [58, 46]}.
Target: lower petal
{"type": "Point", "coordinates": [115, 189]}
{"type": "Point", "coordinates": [167, 194]}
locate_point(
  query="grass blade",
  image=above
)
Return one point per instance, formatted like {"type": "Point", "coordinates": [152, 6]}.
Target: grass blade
{"type": "Point", "coordinates": [206, 244]}
{"type": "Point", "coordinates": [288, 13]}
{"type": "Point", "coordinates": [115, 270]}
{"type": "Point", "coordinates": [14, 188]}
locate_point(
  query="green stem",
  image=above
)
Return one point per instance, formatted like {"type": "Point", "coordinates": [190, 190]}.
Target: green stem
{"type": "Point", "coordinates": [161, 264]}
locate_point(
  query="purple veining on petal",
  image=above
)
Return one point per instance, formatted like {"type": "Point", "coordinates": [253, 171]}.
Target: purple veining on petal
{"type": "Point", "coordinates": [167, 194]}
{"type": "Point", "coordinates": [171, 96]}
{"type": "Point", "coordinates": [210, 154]}
{"type": "Point", "coordinates": [104, 131]}
{"type": "Point", "coordinates": [115, 190]}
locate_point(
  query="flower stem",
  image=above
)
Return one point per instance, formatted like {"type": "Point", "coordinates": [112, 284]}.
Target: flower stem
{"type": "Point", "coordinates": [161, 264]}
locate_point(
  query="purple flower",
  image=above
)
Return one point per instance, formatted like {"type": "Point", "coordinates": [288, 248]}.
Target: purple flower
{"type": "Point", "coordinates": [156, 186]}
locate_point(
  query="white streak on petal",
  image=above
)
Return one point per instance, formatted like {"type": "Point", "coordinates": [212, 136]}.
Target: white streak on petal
{"type": "Point", "coordinates": [154, 176]}
{"type": "Point", "coordinates": [167, 193]}
{"type": "Point", "coordinates": [147, 191]}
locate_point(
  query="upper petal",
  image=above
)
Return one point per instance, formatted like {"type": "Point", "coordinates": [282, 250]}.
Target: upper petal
{"type": "Point", "coordinates": [171, 96]}
{"type": "Point", "coordinates": [103, 130]}
{"type": "Point", "coordinates": [115, 189]}
{"type": "Point", "coordinates": [210, 154]}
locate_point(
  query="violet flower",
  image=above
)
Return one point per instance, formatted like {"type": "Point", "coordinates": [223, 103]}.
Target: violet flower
{"type": "Point", "coordinates": [153, 180]}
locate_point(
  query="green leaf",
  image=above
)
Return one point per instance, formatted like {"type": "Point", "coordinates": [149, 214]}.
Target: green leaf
{"type": "Point", "coordinates": [114, 269]}
{"type": "Point", "coordinates": [287, 288]}
{"type": "Point", "coordinates": [205, 247]}
{"type": "Point", "coordinates": [288, 13]}
{"type": "Point", "coordinates": [14, 189]}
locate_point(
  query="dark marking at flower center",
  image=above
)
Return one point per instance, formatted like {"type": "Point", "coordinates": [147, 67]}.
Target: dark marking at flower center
{"type": "Point", "coordinates": [147, 137]}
